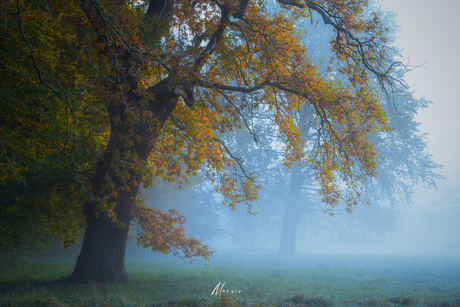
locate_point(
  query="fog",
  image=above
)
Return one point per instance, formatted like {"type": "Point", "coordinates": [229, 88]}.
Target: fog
{"type": "Point", "coordinates": [398, 245]}
{"type": "Point", "coordinates": [406, 216]}
{"type": "Point", "coordinates": [428, 227]}
{"type": "Point", "coordinates": [431, 226]}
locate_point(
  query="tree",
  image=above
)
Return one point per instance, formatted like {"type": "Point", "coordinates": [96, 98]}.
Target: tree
{"type": "Point", "coordinates": [406, 161]}
{"type": "Point", "coordinates": [49, 137]}
{"type": "Point", "coordinates": [166, 77]}
{"type": "Point", "coordinates": [406, 164]}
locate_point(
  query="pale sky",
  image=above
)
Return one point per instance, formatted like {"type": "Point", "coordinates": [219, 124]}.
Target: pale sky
{"type": "Point", "coordinates": [430, 33]}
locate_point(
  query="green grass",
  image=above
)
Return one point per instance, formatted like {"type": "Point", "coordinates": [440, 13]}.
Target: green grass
{"type": "Point", "coordinates": [263, 281]}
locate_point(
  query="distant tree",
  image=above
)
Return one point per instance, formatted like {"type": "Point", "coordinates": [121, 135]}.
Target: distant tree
{"type": "Point", "coordinates": [405, 164]}
{"type": "Point", "coordinates": [136, 89]}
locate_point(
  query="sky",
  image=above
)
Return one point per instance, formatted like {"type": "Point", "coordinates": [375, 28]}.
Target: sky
{"type": "Point", "coordinates": [429, 35]}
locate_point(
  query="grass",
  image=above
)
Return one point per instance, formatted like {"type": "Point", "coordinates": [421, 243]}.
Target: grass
{"type": "Point", "coordinates": [255, 281]}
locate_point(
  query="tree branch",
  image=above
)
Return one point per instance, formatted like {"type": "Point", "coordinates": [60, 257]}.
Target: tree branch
{"type": "Point", "coordinates": [215, 38]}
{"type": "Point", "coordinates": [241, 9]}
{"type": "Point", "coordinates": [159, 9]}
{"type": "Point", "coordinates": [358, 49]}
{"type": "Point", "coordinates": [254, 135]}
{"type": "Point", "coordinates": [250, 177]}
{"type": "Point", "coordinates": [292, 3]}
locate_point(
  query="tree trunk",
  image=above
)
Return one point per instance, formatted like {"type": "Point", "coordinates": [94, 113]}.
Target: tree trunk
{"type": "Point", "coordinates": [291, 215]}
{"type": "Point", "coordinates": [135, 123]}
{"type": "Point", "coordinates": [102, 256]}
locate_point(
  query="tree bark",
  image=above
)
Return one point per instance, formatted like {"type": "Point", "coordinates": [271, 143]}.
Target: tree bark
{"type": "Point", "coordinates": [102, 257]}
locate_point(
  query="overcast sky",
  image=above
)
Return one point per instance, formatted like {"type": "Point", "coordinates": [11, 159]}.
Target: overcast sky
{"type": "Point", "coordinates": [430, 33]}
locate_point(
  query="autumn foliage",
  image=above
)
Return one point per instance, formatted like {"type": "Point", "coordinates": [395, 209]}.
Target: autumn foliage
{"type": "Point", "coordinates": [113, 94]}
{"type": "Point", "coordinates": [165, 233]}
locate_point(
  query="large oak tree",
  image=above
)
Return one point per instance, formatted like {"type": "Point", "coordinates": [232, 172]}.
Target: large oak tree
{"type": "Point", "coordinates": [133, 90]}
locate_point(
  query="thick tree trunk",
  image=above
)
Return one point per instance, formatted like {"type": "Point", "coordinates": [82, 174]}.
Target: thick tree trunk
{"type": "Point", "coordinates": [291, 215]}
{"type": "Point", "coordinates": [102, 257]}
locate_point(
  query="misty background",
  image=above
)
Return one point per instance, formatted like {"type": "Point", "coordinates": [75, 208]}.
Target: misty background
{"type": "Point", "coordinates": [427, 226]}
{"type": "Point", "coordinates": [429, 38]}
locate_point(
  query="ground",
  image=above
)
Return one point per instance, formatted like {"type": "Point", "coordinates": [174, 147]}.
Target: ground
{"type": "Point", "coordinates": [249, 281]}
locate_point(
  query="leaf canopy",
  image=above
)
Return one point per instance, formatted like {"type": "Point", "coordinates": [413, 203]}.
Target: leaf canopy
{"type": "Point", "coordinates": [79, 74]}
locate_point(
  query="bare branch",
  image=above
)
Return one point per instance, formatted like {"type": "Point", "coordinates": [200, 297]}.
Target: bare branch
{"type": "Point", "coordinates": [250, 177]}
{"type": "Point", "coordinates": [255, 136]}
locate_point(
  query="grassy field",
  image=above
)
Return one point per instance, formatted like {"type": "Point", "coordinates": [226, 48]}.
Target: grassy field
{"type": "Point", "coordinates": [255, 281]}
